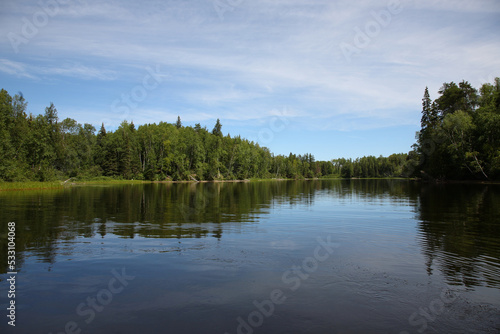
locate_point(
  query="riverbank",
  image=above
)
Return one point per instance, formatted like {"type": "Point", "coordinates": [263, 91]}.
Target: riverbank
{"type": "Point", "coordinates": [29, 185]}
{"type": "Point", "coordinates": [35, 185]}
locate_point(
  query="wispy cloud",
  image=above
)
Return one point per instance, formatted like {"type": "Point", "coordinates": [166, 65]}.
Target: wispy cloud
{"type": "Point", "coordinates": [263, 55]}
{"type": "Point", "coordinates": [78, 71]}
{"type": "Point", "coordinates": [15, 69]}
{"type": "Point", "coordinates": [36, 72]}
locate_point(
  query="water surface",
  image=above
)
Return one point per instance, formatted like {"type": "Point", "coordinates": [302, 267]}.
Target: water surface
{"type": "Point", "coordinates": [323, 256]}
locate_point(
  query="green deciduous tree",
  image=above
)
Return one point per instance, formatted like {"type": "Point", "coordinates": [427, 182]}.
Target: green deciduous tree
{"type": "Point", "coordinates": [465, 141]}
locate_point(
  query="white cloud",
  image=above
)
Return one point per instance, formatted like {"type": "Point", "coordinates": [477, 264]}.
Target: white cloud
{"type": "Point", "coordinates": [78, 71]}
{"type": "Point", "coordinates": [14, 68]}
{"type": "Point", "coordinates": [37, 72]}
{"type": "Point", "coordinates": [264, 55]}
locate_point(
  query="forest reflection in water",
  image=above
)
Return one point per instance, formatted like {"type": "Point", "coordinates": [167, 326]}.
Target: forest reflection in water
{"type": "Point", "coordinates": [459, 232]}
{"type": "Point", "coordinates": [458, 225]}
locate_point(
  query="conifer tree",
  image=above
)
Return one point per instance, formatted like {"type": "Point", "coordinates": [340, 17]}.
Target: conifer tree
{"type": "Point", "coordinates": [217, 129]}
{"type": "Point", "coordinates": [426, 109]}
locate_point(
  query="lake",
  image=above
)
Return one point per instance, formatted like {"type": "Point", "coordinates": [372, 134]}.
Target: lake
{"type": "Point", "coordinates": [318, 256]}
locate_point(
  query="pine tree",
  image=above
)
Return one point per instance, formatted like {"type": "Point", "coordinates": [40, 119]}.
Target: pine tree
{"type": "Point", "coordinates": [101, 134]}
{"type": "Point", "coordinates": [100, 148]}
{"type": "Point", "coordinates": [217, 129]}
{"type": "Point", "coordinates": [178, 124]}
{"type": "Point", "coordinates": [426, 110]}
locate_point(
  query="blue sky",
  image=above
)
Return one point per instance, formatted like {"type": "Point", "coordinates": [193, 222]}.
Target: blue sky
{"type": "Point", "coordinates": [331, 78]}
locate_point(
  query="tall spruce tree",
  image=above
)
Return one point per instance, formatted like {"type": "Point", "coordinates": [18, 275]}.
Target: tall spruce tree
{"type": "Point", "coordinates": [426, 110]}
{"type": "Point", "coordinates": [217, 129]}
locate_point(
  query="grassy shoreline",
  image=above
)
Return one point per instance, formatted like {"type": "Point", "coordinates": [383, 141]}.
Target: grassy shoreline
{"type": "Point", "coordinates": [38, 185]}
{"type": "Point", "coordinates": [41, 185]}
{"type": "Point", "coordinates": [30, 185]}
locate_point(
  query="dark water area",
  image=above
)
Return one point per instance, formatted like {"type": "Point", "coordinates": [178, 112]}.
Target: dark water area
{"type": "Point", "coordinates": [319, 256]}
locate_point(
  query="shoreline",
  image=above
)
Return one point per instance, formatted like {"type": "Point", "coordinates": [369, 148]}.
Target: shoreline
{"type": "Point", "coordinates": [40, 185]}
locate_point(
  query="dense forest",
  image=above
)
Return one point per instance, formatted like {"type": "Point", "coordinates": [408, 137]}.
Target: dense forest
{"type": "Point", "coordinates": [460, 138]}
{"type": "Point", "coordinates": [460, 133]}
{"type": "Point", "coordinates": [43, 148]}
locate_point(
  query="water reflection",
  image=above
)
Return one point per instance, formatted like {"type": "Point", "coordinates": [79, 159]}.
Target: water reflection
{"type": "Point", "coordinates": [44, 218]}
{"type": "Point", "coordinates": [460, 232]}
{"type": "Point", "coordinates": [458, 225]}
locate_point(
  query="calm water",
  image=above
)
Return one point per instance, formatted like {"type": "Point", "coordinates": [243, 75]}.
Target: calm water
{"type": "Point", "coordinates": [360, 256]}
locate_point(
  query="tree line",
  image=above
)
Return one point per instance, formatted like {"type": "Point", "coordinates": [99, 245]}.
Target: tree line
{"type": "Point", "coordinates": [460, 133]}
{"type": "Point", "coordinates": [459, 139]}
{"type": "Point", "coordinates": [43, 148]}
